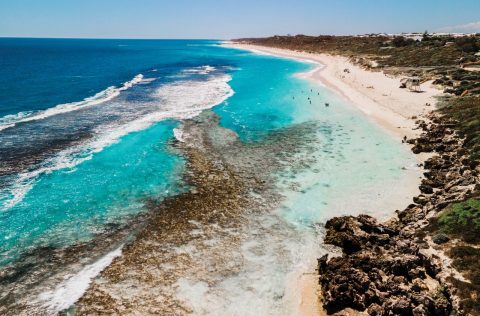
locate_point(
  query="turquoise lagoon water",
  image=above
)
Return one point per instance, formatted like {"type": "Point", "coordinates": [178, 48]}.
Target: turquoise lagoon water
{"type": "Point", "coordinates": [86, 127]}
{"type": "Point", "coordinates": [75, 203]}
{"type": "Point", "coordinates": [354, 157]}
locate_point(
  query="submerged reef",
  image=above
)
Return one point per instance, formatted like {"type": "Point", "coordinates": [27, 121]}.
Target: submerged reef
{"type": "Point", "coordinates": [230, 180]}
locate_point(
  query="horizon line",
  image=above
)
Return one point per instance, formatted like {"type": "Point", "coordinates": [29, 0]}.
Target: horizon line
{"type": "Point", "coordinates": [115, 38]}
{"type": "Point", "coordinates": [223, 39]}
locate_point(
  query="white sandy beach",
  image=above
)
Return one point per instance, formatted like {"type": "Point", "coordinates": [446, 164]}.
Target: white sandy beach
{"type": "Point", "coordinates": [379, 97]}
{"type": "Point", "coordinates": [374, 93]}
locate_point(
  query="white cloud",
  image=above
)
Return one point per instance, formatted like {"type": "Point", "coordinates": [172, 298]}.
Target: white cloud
{"type": "Point", "coordinates": [472, 27]}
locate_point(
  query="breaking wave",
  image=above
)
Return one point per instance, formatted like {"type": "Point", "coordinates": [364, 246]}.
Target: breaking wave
{"type": "Point", "coordinates": [72, 289]}
{"type": "Point", "coordinates": [103, 96]}
{"type": "Point", "coordinates": [179, 100]}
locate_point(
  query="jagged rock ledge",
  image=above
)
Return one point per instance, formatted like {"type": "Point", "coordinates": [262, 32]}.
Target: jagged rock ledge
{"type": "Point", "coordinates": [386, 268]}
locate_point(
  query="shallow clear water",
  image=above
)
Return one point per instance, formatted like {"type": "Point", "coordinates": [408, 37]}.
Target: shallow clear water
{"type": "Point", "coordinates": [355, 160]}
{"type": "Point", "coordinates": [73, 204]}
{"type": "Point", "coordinates": [85, 129]}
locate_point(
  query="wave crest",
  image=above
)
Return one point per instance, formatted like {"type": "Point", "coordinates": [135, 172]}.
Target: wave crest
{"type": "Point", "coordinates": [179, 100]}
{"type": "Point", "coordinates": [102, 96]}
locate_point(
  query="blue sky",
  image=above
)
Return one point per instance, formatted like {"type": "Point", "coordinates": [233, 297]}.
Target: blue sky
{"type": "Point", "coordinates": [225, 19]}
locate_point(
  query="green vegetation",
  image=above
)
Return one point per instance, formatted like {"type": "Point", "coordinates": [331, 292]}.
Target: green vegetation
{"type": "Point", "coordinates": [458, 81]}
{"type": "Point", "coordinates": [467, 44]}
{"type": "Point", "coordinates": [468, 293]}
{"type": "Point", "coordinates": [440, 58]}
{"type": "Point", "coordinates": [466, 111]}
{"type": "Point", "coordinates": [466, 258]}
{"type": "Point", "coordinates": [400, 41]}
{"type": "Point", "coordinates": [460, 220]}
{"type": "Point", "coordinates": [391, 51]}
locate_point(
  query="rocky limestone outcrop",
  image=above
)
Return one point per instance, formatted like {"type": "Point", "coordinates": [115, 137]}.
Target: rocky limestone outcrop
{"type": "Point", "coordinates": [383, 269]}
{"type": "Point", "coordinates": [449, 176]}
{"type": "Point", "coordinates": [381, 272]}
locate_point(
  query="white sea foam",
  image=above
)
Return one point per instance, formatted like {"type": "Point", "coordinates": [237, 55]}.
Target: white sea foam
{"type": "Point", "coordinates": [186, 99]}
{"type": "Point", "coordinates": [147, 80]}
{"type": "Point", "coordinates": [178, 134]}
{"type": "Point", "coordinates": [103, 96]}
{"type": "Point", "coordinates": [10, 120]}
{"type": "Point", "coordinates": [203, 70]}
{"type": "Point", "coordinates": [72, 289]}
{"type": "Point", "coordinates": [66, 159]}
{"type": "Point", "coordinates": [179, 100]}
{"type": "Point", "coordinates": [271, 259]}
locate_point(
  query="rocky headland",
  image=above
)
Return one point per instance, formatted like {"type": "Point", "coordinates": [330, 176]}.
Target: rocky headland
{"type": "Point", "coordinates": [397, 267]}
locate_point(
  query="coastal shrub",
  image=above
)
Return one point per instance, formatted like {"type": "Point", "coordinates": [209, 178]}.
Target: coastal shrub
{"type": "Point", "coordinates": [467, 44]}
{"type": "Point", "coordinates": [466, 111]}
{"type": "Point", "coordinates": [465, 258]}
{"type": "Point", "coordinates": [461, 220]}
{"type": "Point", "coordinates": [468, 293]}
{"type": "Point", "coordinates": [400, 41]}
{"type": "Point", "coordinates": [459, 74]}
{"type": "Point", "coordinates": [405, 52]}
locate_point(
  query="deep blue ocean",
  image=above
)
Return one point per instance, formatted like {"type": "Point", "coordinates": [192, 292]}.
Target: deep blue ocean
{"type": "Point", "coordinates": [86, 128]}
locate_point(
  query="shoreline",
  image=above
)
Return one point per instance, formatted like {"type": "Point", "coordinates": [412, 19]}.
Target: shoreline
{"type": "Point", "coordinates": [395, 112]}
{"type": "Point", "coordinates": [222, 232]}
{"type": "Point", "coordinates": [373, 93]}
{"type": "Point", "coordinates": [302, 281]}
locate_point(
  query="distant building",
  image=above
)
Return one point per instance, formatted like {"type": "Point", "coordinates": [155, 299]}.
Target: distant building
{"type": "Point", "coordinates": [415, 36]}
